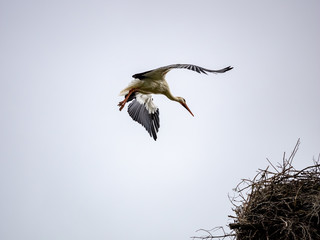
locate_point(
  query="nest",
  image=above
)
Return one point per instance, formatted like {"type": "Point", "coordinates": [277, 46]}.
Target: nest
{"type": "Point", "coordinates": [280, 204]}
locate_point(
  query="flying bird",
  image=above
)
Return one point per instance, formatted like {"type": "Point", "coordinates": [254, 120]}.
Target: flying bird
{"type": "Point", "coordinates": [142, 109]}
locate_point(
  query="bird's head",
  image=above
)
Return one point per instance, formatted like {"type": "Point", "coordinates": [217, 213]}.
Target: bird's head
{"type": "Point", "coordinates": [183, 102]}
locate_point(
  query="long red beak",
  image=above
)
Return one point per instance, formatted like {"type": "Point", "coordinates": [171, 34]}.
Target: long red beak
{"type": "Point", "coordinates": [186, 107]}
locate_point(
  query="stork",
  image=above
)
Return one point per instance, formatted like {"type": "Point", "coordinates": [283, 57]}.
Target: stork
{"type": "Point", "coordinates": [142, 109]}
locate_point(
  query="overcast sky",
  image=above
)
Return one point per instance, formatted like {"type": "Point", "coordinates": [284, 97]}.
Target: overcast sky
{"type": "Point", "coordinates": [73, 167]}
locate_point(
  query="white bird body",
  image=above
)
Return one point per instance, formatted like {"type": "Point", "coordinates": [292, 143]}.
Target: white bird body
{"type": "Point", "coordinates": [142, 108]}
{"type": "Point", "coordinates": [147, 86]}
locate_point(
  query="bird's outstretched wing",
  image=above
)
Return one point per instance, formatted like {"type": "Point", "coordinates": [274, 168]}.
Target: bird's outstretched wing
{"type": "Point", "coordinates": [159, 73]}
{"type": "Point", "coordinates": [143, 110]}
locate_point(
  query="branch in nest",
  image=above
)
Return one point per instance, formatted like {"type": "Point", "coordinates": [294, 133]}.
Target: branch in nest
{"type": "Point", "coordinates": [211, 236]}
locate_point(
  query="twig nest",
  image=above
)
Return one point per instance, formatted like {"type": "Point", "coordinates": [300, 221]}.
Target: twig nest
{"type": "Point", "coordinates": [279, 204]}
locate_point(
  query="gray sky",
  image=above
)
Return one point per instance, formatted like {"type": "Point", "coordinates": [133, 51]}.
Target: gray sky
{"type": "Point", "coordinates": [73, 167]}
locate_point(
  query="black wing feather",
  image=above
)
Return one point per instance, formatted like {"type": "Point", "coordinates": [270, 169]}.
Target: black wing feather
{"type": "Point", "coordinates": [141, 75]}
{"type": "Point", "coordinates": [197, 68]}
{"type": "Point", "coordinates": [139, 113]}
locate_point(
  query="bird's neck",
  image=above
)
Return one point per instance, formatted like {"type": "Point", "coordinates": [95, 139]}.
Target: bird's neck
{"type": "Point", "coordinates": [171, 97]}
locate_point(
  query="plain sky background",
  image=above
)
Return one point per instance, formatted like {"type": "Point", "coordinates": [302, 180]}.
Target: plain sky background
{"type": "Point", "coordinates": [73, 167]}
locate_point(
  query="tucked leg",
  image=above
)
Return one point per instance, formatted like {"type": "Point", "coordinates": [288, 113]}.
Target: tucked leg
{"type": "Point", "coordinates": [123, 103]}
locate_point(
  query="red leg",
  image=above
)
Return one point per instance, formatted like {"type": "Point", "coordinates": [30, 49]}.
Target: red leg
{"type": "Point", "coordinates": [122, 103]}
